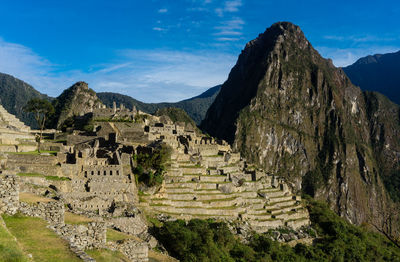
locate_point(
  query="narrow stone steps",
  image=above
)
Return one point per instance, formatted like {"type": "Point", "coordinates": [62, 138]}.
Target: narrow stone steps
{"type": "Point", "coordinates": [284, 209]}
{"type": "Point", "coordinates": [228, 210]}
{"type": "Point", "coordinates": [273, 200]}
{"type": "Point", "coordinates": [297, 223]}
{"type": "Point", "coordinates": [279, 205]}
{"type": "Point", "coordinates": [264, 225]}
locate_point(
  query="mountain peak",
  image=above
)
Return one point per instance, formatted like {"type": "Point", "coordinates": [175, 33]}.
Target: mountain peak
{"type": "Point", "coordinates": [278, 33]}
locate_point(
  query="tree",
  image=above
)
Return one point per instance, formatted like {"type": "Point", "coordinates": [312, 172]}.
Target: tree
{"type": "Point", "coordinates": [41, 109]}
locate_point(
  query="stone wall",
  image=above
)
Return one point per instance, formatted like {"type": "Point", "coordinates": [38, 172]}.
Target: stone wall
{"type": "Point", "coordinates": [9, 194]}
{"type": "Point", "coordinates": [53, 211]}
{"type": "Point", "coordinates": [130, 225]}
{"type": "Point", "coordinates": [134, 250]}
{"type": "Point", "coordinates": [83, 237]}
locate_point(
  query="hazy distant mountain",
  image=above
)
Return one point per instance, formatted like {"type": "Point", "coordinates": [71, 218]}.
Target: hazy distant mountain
{"type": "Point", "coordinates": [14, 94]}
{"type": "Point", "coordinates": [196, 107]}
{"type": "Point", "coordinates": [377, 73]}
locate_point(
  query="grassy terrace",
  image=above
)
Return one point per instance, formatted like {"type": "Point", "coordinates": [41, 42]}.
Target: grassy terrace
{"type": "Point", "coordinates": [74, 219]}
{"type": "Point", "coordinates": [36, 239]}
{"type": "Point", "coordinates": [34, 153]}
{"type": "Point", "coordinates": [10, 250]}
{"type": "Point", "coordinates": [32, 198]}
{"type": "Point", "coordinates": [155, 256]}
{"type": "Point", "coordinates": [51, 178]}
{"type": "Point", "coordinates": [190, 166]}
{"type": "Point", "coordinates": [192, 215]}
{"type": "Point", "coordinates": [219, 199]}
{"type": "Point", "coordinates": [115, 235]}
{"type": "Point", "coordinates": [105, 255]}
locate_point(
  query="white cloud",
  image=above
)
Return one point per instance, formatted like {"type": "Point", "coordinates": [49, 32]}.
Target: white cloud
{"type": "Point", "coordinates": [346, 56]}
{"type": "Point", "coordinates": [148, 75]}
{"type": "Point", "coordinates": [231, 6]}
{"type": "Point", "coordinates": [360, 38]}
{"type": "Point", "coordinates": [229, 29]}
{"type": "Point", "coordinates": [160, 29]}
{"type": "Point", "coordinates": [163, 10]}
{"type": "Point", "coordinates": [227, 39]}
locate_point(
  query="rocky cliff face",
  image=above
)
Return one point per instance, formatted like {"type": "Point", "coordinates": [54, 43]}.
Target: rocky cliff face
{"type": "Point", "coordinates": [77, 100]}
{"type": "Point", "coordinates": [287, 109]}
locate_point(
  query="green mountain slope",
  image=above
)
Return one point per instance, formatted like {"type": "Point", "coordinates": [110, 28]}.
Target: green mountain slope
{"type": "Point", "coordinates": [14, 94]}
{"type": "Point", "coordinates": [195, 107]}
{"type": "Point", "coordinates": [77, 100]}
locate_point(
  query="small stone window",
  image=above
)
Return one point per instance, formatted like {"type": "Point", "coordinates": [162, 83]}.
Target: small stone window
{"type": "Point", "coordinates": [117, 172]}
{"type": "Point", "coordinates": [105, 172]}
{"type": "Point", "coordinates": [92, 172]}
{"type": "Point", "coordinates": [110, 172]}
{"type": "Point", "coordinates": [98, 173]}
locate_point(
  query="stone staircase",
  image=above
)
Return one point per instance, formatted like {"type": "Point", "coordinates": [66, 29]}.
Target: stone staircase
{"type": "Point", "coordinates": [8, 119]}
{"type": "Point", "coordinates": [214, 188]}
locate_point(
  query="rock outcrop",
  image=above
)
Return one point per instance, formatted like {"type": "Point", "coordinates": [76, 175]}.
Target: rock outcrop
{"type": "Point", "coordinates": [77, 100]}
{"type": "Point", "coordinates": [292, 112]}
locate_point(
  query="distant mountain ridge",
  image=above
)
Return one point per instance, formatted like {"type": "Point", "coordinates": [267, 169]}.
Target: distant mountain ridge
{"type": "Point", "coordinates": [379, 73]}
{"type": "Point", "coordinates": [196, 107]}
{"type": "Point", "coordinates": [14, 94]}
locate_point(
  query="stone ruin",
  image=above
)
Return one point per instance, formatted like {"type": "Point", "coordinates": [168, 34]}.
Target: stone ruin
{"type": "Point", "coordinates": [94, 177]}
{"type": "Point", "coordinates": [15, 136]}
{"type": "Point", "coordinates": [80, 237]}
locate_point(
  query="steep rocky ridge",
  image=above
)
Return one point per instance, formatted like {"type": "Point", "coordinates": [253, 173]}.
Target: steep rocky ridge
{"type": "Point", "coordinates": [287, 109]}
{"type": "Point", "coordinates": [77, 100]}
{"type": "Point", "coordinates": [377, 73]}
{"type": "Point", "coordinates": [14, 94]}
{"type": "Point", "coordinates": [196, 107]}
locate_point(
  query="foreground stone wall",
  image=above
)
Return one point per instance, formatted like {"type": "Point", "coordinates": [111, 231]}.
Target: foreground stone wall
{"type": "Point", "coordinates": [134, 250]}
{"type": "Point", "coordinates": [83, 237]}
{"type": "Point", "coordinates": [53, 211]}
{"type": "Point", "coordinates": [9, 194]}
{"type": "Point", "coordinates": [129, 225]}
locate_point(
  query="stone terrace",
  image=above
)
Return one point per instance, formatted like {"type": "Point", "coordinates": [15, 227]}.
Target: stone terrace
{"type": "Point", "coordinates": [218, 186]}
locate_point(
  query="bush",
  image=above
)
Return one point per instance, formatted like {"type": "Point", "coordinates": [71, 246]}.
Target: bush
{"type": "Point", "coordinates": [338, 240]}
{"type": "Point", "coordinates": [150, 167]}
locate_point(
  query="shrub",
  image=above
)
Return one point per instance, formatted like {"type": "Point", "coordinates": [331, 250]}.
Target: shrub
{"type": "Point", "coordinates": [150, 167]}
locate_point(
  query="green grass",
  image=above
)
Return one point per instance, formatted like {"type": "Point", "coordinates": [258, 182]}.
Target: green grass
{"type": "Point", "coordinates": [36, 239]}
{"type": "Point", "coordinates": [34, 152]}
{"type": "Point", "coordinates": [114, 235]}
{"type": "Point", "coordinates": [105, 255]}
{"type": "Point", "coordinates": [74, 219]}
{"type": "Point", "coordinates": [154, 221]}
{"type": "Point", "coordinates": [9, 249]}
{"type": "Point", "coordinates": [51, 178]}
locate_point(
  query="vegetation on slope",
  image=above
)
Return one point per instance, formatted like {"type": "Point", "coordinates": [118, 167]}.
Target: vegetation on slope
{"type": "Point", "coordinates": [178, 116]}
{"type": "Point", "coordinates": [196, 107]}
{"type": "Point", "coordinates": [209, 240]}
{"type": "Point", "coordinates": [36, 239]}
{"type": "Point", "coordinates": [150, 167]}
{"type": "Point", "coordinates": [9, 249]}
{"type": "Point", "coordinates": [75, 101]}
{"type": "Point", "coordinates": [14, 94]}
{"type": "Point", "coordinates": [106, 255]}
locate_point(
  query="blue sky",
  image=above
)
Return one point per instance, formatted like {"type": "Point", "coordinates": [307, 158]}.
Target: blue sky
{"type": "Point", "coordinates": [157, 50]}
